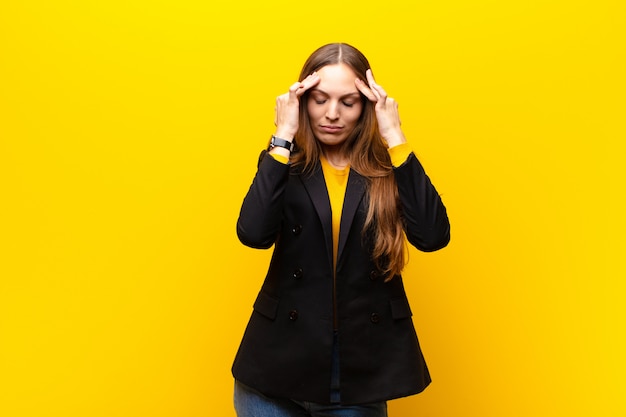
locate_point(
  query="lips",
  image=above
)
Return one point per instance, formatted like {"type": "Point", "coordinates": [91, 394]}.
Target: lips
{"type": "Point", "coordinates": [331, 128]}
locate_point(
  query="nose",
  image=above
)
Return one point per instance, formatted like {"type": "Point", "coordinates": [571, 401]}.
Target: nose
{"type": "Point", "coordinates": [332, 111]}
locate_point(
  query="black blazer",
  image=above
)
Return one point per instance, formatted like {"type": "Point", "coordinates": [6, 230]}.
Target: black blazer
{"type": "Point", "coordinates": [287, 346]}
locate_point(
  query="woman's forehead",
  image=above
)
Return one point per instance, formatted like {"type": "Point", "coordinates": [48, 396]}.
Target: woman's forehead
{"type": "Point", "coordinates": [336, 79]}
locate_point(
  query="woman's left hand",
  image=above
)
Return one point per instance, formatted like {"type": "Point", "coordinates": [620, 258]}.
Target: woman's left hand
{"type": "Point", "coordinates": [386, 110]}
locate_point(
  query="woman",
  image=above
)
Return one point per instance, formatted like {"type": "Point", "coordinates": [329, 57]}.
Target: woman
{"type": "Point", "coordinates": [336, 193]}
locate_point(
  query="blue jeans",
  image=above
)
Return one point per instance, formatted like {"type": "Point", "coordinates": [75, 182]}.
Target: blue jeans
{"type": "Point", "coordinates": [251, 403]}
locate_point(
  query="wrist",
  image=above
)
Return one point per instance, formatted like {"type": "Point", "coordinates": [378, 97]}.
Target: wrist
{"type": "Point", "coordinates": [395, 139]}
{"type": "Point", "coordinates": [284, 134]}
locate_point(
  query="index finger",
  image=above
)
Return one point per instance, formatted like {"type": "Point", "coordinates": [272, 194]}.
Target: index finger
{"type": "Point", "coordinates": [363, 88]}
{"type": "Point", "coordinates": [378, 90]}
{"type": "Point", "coordinates": [310, 81]}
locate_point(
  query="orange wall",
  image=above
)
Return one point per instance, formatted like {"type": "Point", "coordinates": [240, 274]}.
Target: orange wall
{"type": "Point", "coordinates": [129, 133]}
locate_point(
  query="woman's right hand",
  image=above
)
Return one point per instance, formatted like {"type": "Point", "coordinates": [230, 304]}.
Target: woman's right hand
{"type": "Point", "coordinates": [288, 107]}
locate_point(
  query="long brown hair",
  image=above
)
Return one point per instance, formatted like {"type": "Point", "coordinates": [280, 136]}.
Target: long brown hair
{"type": "Point", "coordinates": [367, 152]}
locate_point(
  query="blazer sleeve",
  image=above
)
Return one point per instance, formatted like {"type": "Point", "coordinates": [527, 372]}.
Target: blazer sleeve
{"type": "Point", "coordinates": [425, 218]}
{"type": "Point", "coordinates": [261, 212]}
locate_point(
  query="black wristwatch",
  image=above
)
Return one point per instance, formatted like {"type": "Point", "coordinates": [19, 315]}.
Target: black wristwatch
{"type": "Point", "coordinates": [281, 143]}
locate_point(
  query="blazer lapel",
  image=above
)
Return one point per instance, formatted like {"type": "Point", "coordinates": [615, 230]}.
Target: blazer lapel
{"type": "Point", "coordinates": [316, 188]}
{"type": "Point", "coordinates": [354, 194]}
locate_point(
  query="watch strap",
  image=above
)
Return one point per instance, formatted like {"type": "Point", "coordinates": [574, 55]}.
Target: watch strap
{"type": "Point", "coordinates": [281, 143]}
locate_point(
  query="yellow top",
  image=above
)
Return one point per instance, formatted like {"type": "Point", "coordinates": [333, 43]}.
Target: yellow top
{"type": "Point", "coordinates": [398, 154]}
{"type": "Point", "coordinates": [336, 183]}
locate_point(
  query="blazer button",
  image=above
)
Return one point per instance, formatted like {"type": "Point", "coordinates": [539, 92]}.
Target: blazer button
{"type": "Point", "coordinates": [293, 315]}
{"type": "Point", "coordinates": [297, 274]}
{"type": "Point", "coordinates": [374, 318]}
{"type": "Point", "coordinates": [296, 229]}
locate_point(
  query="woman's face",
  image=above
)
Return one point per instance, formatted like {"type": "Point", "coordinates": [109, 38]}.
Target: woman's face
{"type": "Point", "coordinates": [334, 104]}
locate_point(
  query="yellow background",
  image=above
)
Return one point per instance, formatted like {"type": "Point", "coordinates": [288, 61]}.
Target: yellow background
{"type": "Point", "coordinates": [129, 132]}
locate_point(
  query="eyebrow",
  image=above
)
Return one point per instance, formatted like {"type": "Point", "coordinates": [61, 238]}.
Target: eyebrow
{"type": "Point", "coordinates": [354, 94]}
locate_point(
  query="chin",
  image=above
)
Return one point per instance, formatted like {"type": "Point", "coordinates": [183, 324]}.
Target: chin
{"type": "Point", "coordinates": [330, 140]}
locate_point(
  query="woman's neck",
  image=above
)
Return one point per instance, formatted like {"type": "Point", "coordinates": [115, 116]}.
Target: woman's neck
{"type": "Point", "coordinates": [335, 157]}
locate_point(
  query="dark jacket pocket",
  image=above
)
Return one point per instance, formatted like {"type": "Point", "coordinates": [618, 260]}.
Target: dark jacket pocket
{"type": "Point", "coordinates": [400, 308]}
{"type": "Point", "coordinates": [266, 305]}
